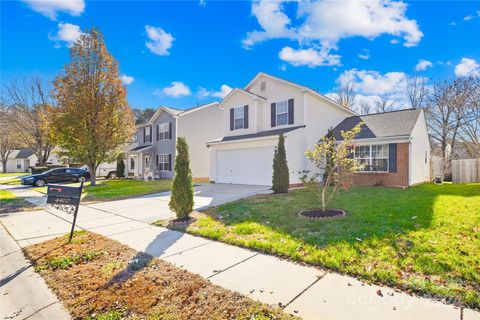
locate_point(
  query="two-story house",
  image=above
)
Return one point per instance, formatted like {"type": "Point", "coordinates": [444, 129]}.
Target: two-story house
{"type": "Point", "coordinates": [394, 146]}
{"type": "Point", "coordinates": [153, 152]}
{"type": "Point", "coordinates": [254, 117]}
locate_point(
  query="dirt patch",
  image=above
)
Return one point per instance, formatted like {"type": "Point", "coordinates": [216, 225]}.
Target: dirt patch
{"type": "Point", "coordinates": [15, 205]}
{"type": "Point", "coordinates": [322, 214]}
{"type": "Point", "coordinates": [98, 278]}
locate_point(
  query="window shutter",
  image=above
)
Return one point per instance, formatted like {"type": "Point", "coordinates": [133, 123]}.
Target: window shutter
{"type": "Point", "coordinates": [158, 127]}
{"type": "Point", "coordinates": [273, 114]}
{"type": "Point", "coordinates": [245, 117]}
{"type": "Point", "coordinates": [156, 160]}
{"type": "Point", "coordinates": [392, 157]}
{"type": "Point", "coordinates": [170, 130]}
{"type": "Point", "coordinates": [169, 162]}
{"type": "Point", "coordinates": [231, 119]}
{"type": "Point", "coordinates": [144, 133]}
{"type": "Point", "coordinates": [290, 111]}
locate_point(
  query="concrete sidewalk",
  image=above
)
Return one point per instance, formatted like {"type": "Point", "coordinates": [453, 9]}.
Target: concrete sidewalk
{"type": "Point", "coordinates": [24, 293]}
{"type": "Point", "coordinates": [308, 292]}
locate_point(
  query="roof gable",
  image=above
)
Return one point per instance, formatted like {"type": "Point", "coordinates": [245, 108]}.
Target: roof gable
{"type": "Point", "coordinates": [381, 125]}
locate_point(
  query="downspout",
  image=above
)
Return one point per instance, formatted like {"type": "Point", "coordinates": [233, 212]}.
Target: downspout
{"type": "Point", "coordinates": [409, 161]}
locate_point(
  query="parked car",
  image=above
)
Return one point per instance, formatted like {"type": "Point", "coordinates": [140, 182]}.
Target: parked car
{"type": "Point", "coordinates": [107, 170]}
{"type": "Point", "coordinates": [56, 175]}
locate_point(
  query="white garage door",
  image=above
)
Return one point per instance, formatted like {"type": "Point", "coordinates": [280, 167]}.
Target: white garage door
{"type": "Point", "coordinates": [245, 166]}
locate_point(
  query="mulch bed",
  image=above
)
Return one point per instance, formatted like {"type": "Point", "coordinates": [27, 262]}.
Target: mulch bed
{"type": "Point", "coordinates": [15, 205]}
{"type": "Point", "coordinates": [322, 214]}
{"type": "Point", "coordinates": [99, 278]}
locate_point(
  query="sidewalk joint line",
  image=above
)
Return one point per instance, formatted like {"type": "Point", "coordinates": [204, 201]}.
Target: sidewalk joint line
{"type": "Point", "coordinates": [233, 265]}
{"type": "Point", "coordinates": [195, 247]}
{"type": "Point", "coordinates": [42, 308]}
{"type": "Point", "coordinates": [304, 290]}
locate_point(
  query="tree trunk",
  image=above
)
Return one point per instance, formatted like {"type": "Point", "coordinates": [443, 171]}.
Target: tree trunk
{"type": "Point", "coordinates": [93, 174]}
{"type": "Point", "coordinates": [323, 200]}
{"type": "Point", "coordinates": [4, 166]}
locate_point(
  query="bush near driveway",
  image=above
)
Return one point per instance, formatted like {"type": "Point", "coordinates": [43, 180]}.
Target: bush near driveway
{"type": "Point", "coordinates": [117, 189]}
{"type": "Point", "coordinates": [98, 278]}
{"type": "Point", "coordinates": [424, 239]}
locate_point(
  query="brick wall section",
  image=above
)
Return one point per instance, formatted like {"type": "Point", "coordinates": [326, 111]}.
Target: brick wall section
{"type": "Point", "coordinates": [398, 179]}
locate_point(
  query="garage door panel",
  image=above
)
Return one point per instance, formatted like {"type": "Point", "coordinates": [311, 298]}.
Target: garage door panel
{"type": "Point", "coordinates": [245, 166]}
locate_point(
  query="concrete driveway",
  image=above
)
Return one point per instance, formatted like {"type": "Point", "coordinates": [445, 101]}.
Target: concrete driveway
{"type": "Point", "coordinates": [154, 207]}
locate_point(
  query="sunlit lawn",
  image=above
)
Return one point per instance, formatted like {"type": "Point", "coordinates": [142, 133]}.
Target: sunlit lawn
{"type": "Point", "coordinates": [10, 203]}
{"type": "Point", "coordinates": [119, 189]}
{"type": "Point", "coordinates": [13, 174]}
{"type": "Point", "coordinates": [424, 239]}
{"type": "Point", "coordinates": [14, 177]}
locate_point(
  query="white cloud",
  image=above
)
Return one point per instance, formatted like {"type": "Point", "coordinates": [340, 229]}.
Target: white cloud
{"type": "Point", "coordinates": [176, 89]}
{"type": "Point", "coordinates": [67, 33]}
{"type": "Point", "coordinates": [369, 82]}
{"type": "Point", "coordinates": [423, 65]}
{"type": "Point", "coordinates": [159, 42]}
{"type": "Point", "coordinates": [471, 17]}
{"type": "Point", "coordinates": [325, 23]}
{"type": "Point", "coordinates": [202, 3]}
{"type": "Point", "coordinates": [365, 55]}
{"type": "Point", "coordinates": [51, 8]}
{"type": "Point", "coordinates": [309, 57]}
{"type": "Point", "coordinates": [222, 93]}
{"type": "Point", "coordinates": [467, 68]}
{"type": "Point", "coordinates": [272, 19]}
{"type": "Point", "coordinates": [126, 79]}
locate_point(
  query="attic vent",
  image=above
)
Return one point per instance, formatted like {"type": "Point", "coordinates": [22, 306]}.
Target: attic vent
{"type": "Point", "coordinates": [263, 86]}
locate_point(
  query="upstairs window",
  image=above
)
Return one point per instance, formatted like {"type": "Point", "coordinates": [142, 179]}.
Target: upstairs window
{"type": "Point", "coordinates": [282, 112]}
{"type": "Point", "coordinates": [163, 131]}
{"type": "Point", "coordinates": [148, 134]}
{"type": "Point", "coordinates": [372, 158]}
{"type": "Point", "coordinates": [239, 118]}
{"type": "Point", "coordinates": [263, 86]}
{"type": "Point", "coordinates": [135, 137]}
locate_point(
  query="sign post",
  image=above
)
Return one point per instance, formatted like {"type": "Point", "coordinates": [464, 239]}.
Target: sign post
{"type": "Point", "coordinates": [66, 199]}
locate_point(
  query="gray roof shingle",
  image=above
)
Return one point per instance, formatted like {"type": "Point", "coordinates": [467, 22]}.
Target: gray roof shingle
{"type": "Point", "coordinates": [380, 125]}
{"type": "Point", "coordinates": [261, 134]}
{"type": "Point", "coordinates": [24, 153]}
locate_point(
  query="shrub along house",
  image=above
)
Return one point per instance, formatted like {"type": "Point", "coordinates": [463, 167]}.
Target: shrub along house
{"type": "Point", "coordinates": [392, 146]}
{"type": "Point", "coordinates": [152, 153]}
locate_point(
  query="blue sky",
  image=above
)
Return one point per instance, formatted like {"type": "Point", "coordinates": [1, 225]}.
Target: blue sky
{"type": "Point", "coordinates": [183, 53]}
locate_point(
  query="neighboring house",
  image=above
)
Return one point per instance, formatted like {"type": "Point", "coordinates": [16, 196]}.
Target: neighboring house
{"type": "Point", "coordinates": [393, 146]}
{"type": "Point", "coordinates": [21, 160]}
{"type": "Point", "coordinates": [253, 118]}
{"type": "Point", "coordinates": [153, 151]}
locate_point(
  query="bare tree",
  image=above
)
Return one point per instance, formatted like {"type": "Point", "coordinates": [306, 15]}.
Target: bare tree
{"type": "Point", "coordinates": [8, 138]}
{"type": "Point", "coordinates": [345, 95]}
{"type": "Point", "coordinates": [384, 103]}
{"type": "Point", "coordinates": [416, 92]}
{"type": "Point", "coordinates": [470, 128]}
{"type": "Point", "coordinates": [28, 101]}
{"type": "Point", "coordinates": [364, 108]}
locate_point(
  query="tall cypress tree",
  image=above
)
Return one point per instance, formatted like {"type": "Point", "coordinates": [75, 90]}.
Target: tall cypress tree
{"type": "Point", "coordinates": [181, 200]}
{"type": "Point", "coordinates": [280, 179]}
{"type": "Point", "coordinates": [120, 171]}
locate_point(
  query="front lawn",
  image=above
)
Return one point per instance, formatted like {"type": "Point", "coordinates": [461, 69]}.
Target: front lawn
{"type": "Point", "coordinates": [97, 279]}
{"type": "Point", "coordinates": [13, 174]}
{"type": "Point", "coordinates": [424, 239]}
{"type": "Point", "coordinates": [108, 190]}
{"type": "Point", "coordinates": [9, 203]}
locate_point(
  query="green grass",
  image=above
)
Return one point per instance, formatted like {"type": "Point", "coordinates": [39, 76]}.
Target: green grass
{"type": "Point", "coordinates": [10, 203]}
{"type": "Point", "coordinates": [108, 190]}
{"type": "Point", "coordinates": [424, 239]}
{"type": "Point", "coordinates": [13, 174]}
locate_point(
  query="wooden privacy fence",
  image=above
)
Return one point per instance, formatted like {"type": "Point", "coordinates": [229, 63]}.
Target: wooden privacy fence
{"type": "Point", "coordinates": [466, 171]}
{"type": "Point", "coordinates": [437, 167]}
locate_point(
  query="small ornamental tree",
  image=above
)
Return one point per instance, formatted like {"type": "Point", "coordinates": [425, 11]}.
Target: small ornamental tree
{"type": "Point", "coordinates": [181, 200]}
{"type": "Point", "coordinates": [335, 165]}
{"type": "Point", "coordinates": [120, 171]}
{"type": "Point", "coordinates": [280, 178]}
